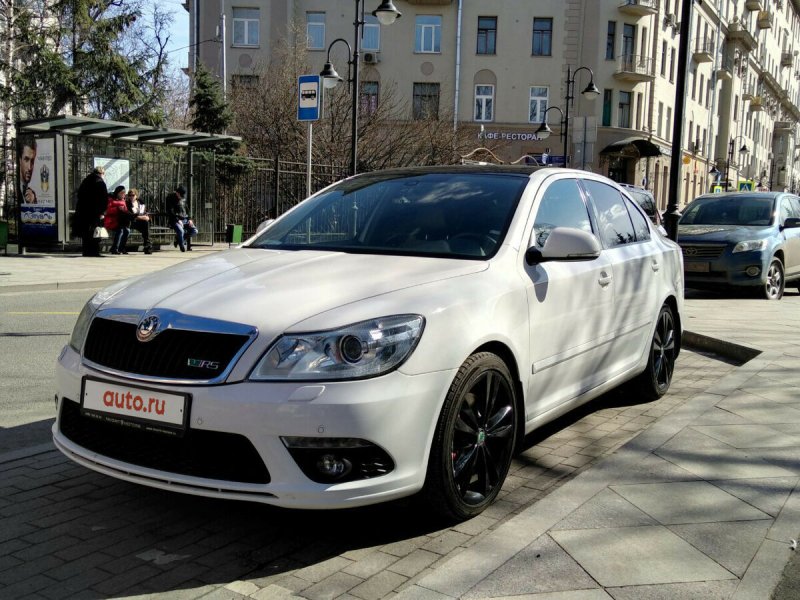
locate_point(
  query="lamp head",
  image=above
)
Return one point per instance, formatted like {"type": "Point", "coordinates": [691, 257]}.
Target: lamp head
{"type": "Point", "coordinates": [330, 78]}
{"type": "Point", "coordinates": [387, 13]}
{"type": "Point", "coordinates": [744, 149]}
{"type": "Point", "coordinates": [591, 92]}
{"type": "Point", "coordinates": [544, 131]}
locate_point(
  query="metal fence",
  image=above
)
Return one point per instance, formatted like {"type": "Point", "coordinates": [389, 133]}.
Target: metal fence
{"type": "Point", "coordinates": [225, 190]}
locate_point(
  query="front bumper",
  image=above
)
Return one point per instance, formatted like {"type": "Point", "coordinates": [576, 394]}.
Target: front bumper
{"type": "Point", "coordinates": [727, 270]}
{"type": "Point", "coordinates": [396, 412]}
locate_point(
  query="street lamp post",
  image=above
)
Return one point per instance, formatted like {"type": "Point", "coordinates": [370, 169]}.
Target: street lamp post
{"type": "Point", "coordinates": [386, 14]}
{"type": "Point", "coordinates": [590, 93]}
{"type": "Point", "coordinates": [743, 150]}
{"type": "Point", "coordinates": [544, 130]}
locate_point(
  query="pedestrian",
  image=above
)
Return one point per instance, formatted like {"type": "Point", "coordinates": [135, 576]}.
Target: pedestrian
{"type": "Point", "coordinates": [117, 220]}
{"type": "Point", "coordinates": [179, 219]}
{"type": "Point", "coordinates": [140, 219]}
{"type": "Point", "coordinates": [92, 202]}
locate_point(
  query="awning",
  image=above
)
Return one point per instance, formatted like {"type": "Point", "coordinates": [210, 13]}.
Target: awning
{"type": "Point", "coordinates": [126, 132]}
{"type": "Point", "coordinates": [633, 145]}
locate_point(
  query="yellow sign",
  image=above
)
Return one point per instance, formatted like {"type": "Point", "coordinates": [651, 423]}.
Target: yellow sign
{"type": "Point", "coordinates": [686, 160]}
{"type": "Point", "coordinates": [717, 189]}
{"type": "Point", "coordinates": [747, 185]}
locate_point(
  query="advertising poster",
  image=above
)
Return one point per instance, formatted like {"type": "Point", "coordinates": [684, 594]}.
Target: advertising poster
{"type": "Point", "coordinates": [36, 188]}
{"type": "Point", "coordinates": [117, 171]}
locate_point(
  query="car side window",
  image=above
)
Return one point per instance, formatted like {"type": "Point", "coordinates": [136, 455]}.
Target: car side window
{"type": "Point", "coordinates": [561, 205]}
{"type": "Point", "coordinates": [789, 208]}
{"type": "Point", "coordinates": [614, 221]}
{"type": "Point", "coordinates": [795, 207]}
{"type": "Point", "coordinates": [640, 222]}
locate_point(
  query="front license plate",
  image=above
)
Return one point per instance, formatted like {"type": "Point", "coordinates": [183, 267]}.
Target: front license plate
{"type": "Point", "coordinates": [696, 267]}
{"type": "Point", "coordinates": [147, 408]}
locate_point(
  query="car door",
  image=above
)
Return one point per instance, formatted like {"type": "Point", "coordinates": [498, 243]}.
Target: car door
{"type": "Point", "coordinates": [790, 207]}
{"type": "Point", "coordinates": [568, 304]}
{"type": "Point", "coordinates": [635, 263]}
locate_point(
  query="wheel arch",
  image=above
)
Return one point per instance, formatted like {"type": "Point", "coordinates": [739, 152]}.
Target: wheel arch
{"type": "Point", "coordinates": [672, 302]}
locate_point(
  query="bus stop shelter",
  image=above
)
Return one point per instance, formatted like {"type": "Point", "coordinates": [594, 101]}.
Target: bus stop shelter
{"type": "Point", "coordinates": [56, 153]}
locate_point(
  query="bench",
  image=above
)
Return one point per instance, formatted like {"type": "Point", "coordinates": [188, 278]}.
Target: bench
{"type": "Point", "coordinates": [160, 233]}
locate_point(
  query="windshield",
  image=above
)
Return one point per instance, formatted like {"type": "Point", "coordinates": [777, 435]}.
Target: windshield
{"type": "Point", "coordinates": [459, 215]}
{"type": "Point", "coordinates": [734, 210]}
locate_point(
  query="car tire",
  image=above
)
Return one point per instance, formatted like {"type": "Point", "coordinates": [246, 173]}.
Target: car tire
{"type": "Point", "coordinates": [474, 439]}
{"type": "Point", "coordinates": [654, 381]}
{"type": "Point", "coordinates": [775, 284]}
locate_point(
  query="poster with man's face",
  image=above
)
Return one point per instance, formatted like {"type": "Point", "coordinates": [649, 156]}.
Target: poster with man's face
{"type": "Point", "coordinates": [36, 193]}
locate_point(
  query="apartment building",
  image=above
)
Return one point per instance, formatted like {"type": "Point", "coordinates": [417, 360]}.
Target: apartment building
{"type": "Point", "coordinates": [497, 67]}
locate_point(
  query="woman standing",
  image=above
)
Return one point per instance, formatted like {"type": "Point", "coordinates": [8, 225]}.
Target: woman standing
{"type": "Point", "coordinates": [117, 220]}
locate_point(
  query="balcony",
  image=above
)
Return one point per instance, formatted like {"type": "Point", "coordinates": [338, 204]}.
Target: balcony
{"type": "Point", "coordinates": [764, 20]}
{"type": "Point", "coordinates": [784, 126]}
{"type": "Point", "coordinates": [703, 50]}
{"type": "Point", "coordinates": [725, 70]}
{"type": "Point", "coordinates": [787, 59]}
{"type": "Point", "coordinates": [635, 68]}
{"type": "Point", "coordinates": [756, 104]}
{"type": "Point", "coordinates": [748, 92]}
{"type": "Point", "coordinates": [639, 8]}
{"type": "Point", "coordinates": [754, 5]}
{"type": "Point", "coordinates": [738, 33]}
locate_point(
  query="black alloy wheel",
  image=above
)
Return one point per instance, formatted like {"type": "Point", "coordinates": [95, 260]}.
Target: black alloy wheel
{"type": "Point", "coordinates": [474, 440]}
{"type": "Point", "coordinates": [774, 285]}
{"type": "Point", "coordinates": [655, 380]}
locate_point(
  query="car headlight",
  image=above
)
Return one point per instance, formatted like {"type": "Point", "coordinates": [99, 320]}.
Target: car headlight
{"type": "Point", "coordinates": [81, 327]}
{"type": "Point", "coordinates": [749, 246]}
{"type": "Point", "coordinates": [364, 349]}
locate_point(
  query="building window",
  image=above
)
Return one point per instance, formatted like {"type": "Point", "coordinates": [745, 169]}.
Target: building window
{"type": "Point", "coordinates": [663, 59]}
{"type": "Point", "coordinates": [538, 103]}
{"type": "Point", "coordinates": [428, 34]}
{"type": "Point", "coordinates": [244, 81]}
{"type": "Point", "coordinates": [315, 30]}
{"type": "Point", "coordinates": [426, 101]}
{"type": "Point", "coordinates": [245, 26]}
{"type": "Point", "coordinates": [624, 114]}
{"type": "Point", "coordinates": [542, 37]}
{"type": "Point", "coordinates": [487, 35]}
{"type": "Point", "coordinates": [628, 40]}
{"type": "Point", "coordinates": [371, 38]}
{"type": "Point", "coordinates": [669, 124]}
{"type": "Point", "coordinates": [660, 125]}
{"type": "Point", "coordinates": [611, 40]}
{"type": "Point", "coordinates": [369, 97]}
{"type": "Point", "coordinates": [607, 99]}
{"type": "Point", "coordinates": [484, 102]}
{"type": "Point", "coordinates": [672, 65]}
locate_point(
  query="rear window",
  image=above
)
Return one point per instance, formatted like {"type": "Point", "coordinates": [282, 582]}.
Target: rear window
{"type": "Point", "coordinates": [733, 210]}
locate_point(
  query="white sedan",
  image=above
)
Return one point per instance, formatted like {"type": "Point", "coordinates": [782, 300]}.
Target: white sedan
{"type": "Point", "coordinates": [397, 333]}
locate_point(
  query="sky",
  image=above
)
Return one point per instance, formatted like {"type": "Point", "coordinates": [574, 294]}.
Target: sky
{"type": "Point", "coordinates": [179, 33]}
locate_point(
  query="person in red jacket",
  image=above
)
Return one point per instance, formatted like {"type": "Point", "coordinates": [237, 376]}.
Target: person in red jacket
{"type": "Point", "coordinates": [117, 220]}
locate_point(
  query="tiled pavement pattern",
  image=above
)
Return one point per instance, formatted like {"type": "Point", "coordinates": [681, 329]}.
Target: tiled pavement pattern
{"type": "Point", "coordinates": [66, 532]}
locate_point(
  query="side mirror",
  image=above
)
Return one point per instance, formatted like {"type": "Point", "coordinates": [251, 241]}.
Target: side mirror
{"type": "Point", "coordinates": [565, 244]}
{"type": "Point", "coordinates": [791, 223]}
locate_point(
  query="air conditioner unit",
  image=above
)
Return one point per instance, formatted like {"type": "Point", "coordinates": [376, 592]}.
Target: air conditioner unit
{"type": "Point", "coordinates": [371, 58]}
{"type": "Point", "coordinates": [669, 19]}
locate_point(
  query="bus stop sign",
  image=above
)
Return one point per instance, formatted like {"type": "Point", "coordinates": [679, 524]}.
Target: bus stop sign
{"type": "Point", "coordinates": [308, 98]}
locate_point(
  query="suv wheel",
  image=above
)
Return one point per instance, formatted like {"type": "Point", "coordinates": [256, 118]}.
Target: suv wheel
{"type": "Point", "coordinates": [774, 285]}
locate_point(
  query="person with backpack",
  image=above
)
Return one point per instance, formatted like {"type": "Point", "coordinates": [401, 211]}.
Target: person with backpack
{"type": "Point", "coordinates": [179, 219]}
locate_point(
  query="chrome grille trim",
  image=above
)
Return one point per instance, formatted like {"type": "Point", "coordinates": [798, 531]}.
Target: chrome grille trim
{"type": "Point", "coordinates": [702, 251]}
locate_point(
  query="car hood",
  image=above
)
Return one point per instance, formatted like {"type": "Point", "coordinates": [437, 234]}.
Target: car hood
{"type": "Point", "coordinates": [273, 289]}
{"type": "Point", "coordinates": [720, 233]}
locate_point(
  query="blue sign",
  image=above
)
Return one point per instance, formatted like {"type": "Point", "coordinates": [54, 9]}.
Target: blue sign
{"type": "Point", "coordinates": [309, 99]}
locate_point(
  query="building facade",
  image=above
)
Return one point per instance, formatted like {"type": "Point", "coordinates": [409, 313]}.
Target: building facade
{"type": "Point", "coordinates": [498, 67]}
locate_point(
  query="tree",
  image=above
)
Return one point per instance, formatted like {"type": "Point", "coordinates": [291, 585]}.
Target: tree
{"type": "Point", "coordinates": [97, 57]}
{"type": "Point", "coordinates": [210, 111]}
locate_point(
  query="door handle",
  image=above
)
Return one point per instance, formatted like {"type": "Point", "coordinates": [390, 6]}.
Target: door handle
{"type": "Point", "coordinates": [655, 265]}
{"type": "Point", "coordinates": [605, 279]}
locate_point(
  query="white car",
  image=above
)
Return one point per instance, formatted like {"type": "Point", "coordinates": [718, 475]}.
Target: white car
{"type": "Point", "coordinates": [398, 332]}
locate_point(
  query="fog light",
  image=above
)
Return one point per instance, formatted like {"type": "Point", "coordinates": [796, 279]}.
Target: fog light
{"type": "Point", "coordinates": [333, 466]}
{"type": "Point", "coordinates": [753, 271]}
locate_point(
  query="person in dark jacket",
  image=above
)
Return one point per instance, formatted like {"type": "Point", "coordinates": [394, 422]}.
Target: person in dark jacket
{"type": "Point", "coordinates": [92, 201]}
{"type": "Point", "coordinates": [179, 219]}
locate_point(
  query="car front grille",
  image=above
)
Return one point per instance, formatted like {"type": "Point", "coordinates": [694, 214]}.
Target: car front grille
{"type": "Point", "coordinates": [198, 453]}
{"type": "Point", "coordinates": [702, 251]}
{"type": "Point", "coordinates": [173, 354]}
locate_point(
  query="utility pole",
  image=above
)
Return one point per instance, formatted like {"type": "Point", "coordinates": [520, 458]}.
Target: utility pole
{"type": "Point", "coordinates": [224, 66]}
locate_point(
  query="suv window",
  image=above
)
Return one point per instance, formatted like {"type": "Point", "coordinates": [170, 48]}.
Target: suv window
{"type": "Point", "coordinates": [640, 222]}
{"type": "Point", "coordinates": [561, 206]}
{"type": "Point", "coordinates": [612, 215]}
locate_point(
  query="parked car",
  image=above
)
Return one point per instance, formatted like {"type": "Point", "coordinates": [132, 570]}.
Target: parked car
{"type": "Point", "coordinates": [398, 332]}
{"type": "Point", "coordinates": [742, 239]}
{"type": "Point", "coordinates": [647, 201]}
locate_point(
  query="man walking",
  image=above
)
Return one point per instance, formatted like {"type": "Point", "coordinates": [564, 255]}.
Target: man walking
{"type": "Point", "coordinates": [179, 219]}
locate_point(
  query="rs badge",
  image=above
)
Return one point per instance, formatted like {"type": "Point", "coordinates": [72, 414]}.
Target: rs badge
{"type": "Point", "coordinates": [203, 364]}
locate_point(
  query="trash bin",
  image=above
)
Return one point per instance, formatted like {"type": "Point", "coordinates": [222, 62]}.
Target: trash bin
{"type": "Point", "coordinates": [233, 234]}
{"type": "Point", "coordinates": [4, 236]}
